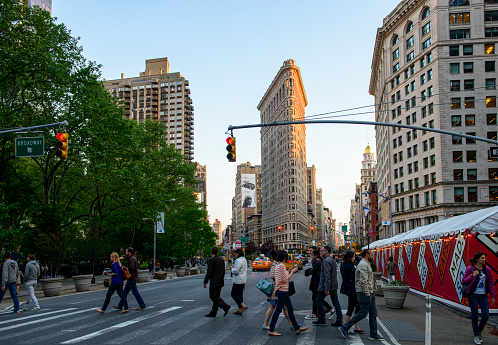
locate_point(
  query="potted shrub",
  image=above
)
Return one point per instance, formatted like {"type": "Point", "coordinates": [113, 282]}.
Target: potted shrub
{"type": "Point", "coordinates": [395, 294]}
{"type": "Point", "coordinates": [180, 271]}
{"type": "Point", "coordinates": [82, 282]}
{"type": "Point", "coordinates": [51, 286]}
{"type": "Point", "coordinates": [143, 272]}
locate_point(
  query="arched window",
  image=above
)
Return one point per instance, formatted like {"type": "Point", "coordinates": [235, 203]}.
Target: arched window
{"type": "Point", "coordinates": [454, 3]}
{"type": "Point", "coordinates": [395, 39]}
{"type": "Point", "coordinates": [426, 12]}
{"type": "Point", "coordinates": [409, 27]}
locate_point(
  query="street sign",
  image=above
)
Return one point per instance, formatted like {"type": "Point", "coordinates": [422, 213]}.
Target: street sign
{"type": "Point", "coordinates": [244, 239]}
{"type": "Point", "coordinates": [493, 152]}
{"type": "Point", "coordinates": [386, 222]}
{"type": "Point", "coordinates": [344, 228]}
{"type": "Point", "coordinates": [30, 147]}
{"type": "Point", "coordinates": [238, 244]}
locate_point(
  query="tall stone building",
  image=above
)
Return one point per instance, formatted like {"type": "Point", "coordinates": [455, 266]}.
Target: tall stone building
{"type": "Point", "coordinates": [159, 95]}
{"type": "Point", "coordinates": [283, 152]}
{"type": "Point", "coordinates": [434, 65]}
{"type": "Point", "coordinates": [218, 230]}
{"type": "Point", "coordinates": [44, 4]}
{"type": "Point", "coordinates": [201, 187]}
{"type": "Point", "coordinates": [247, 199]}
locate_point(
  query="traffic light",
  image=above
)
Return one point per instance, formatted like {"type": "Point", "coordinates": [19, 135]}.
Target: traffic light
{"type": "Point", "coordinates": [62, 145]}
{"type": "Point", "coordinates": [231, 149]}
{"type": "Point", "coordinates": [280, 228]}
{"type": "Point", "coordinates": [312, 229]}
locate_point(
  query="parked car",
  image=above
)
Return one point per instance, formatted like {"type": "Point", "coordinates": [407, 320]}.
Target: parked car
{"type": "Point", "coordinates": [261, 264]}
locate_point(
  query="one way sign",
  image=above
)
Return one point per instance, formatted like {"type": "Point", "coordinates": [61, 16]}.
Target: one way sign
{"type": "Point", "coordinates": [493, 152]}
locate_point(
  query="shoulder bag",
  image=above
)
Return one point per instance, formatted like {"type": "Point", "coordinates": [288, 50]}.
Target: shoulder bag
{"type": "Point", "coordinates": [125, 274]}
{"type": "Point", "coordinates": [266, 286]}
{"type": "Point", "coordinates": [465, 287]}
{"type": "Point", "coordinates": [292, 289]}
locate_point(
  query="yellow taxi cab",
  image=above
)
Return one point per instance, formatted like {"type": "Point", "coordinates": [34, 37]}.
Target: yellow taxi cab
{"type": "Point", "coordinates": [261, 264]}
{"type": "Point", "coordinates": [294, 260]}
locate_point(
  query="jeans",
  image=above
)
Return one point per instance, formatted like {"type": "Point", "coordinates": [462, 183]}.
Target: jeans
{"type": "Point", "coordinates": [132, 285]}
{"type": "Point", "coordinates": [12, 289]}
{"type": "Point", "coordinates": [238, 294]}
{"type": "Point", "coordinates": [315, 305]}
{"type": "Point", "coordinates": [115, 288]}
{"type": "Point", "coordinates": [283, 300]}
{"type": "Point", "coordinates": [320, 299]}
{"type": "Point", "coordinates": [482, 301]}
{"type": "Point", "coordinates": [31, 286]}
{"type": "Point", "coordinates": [367, 307]}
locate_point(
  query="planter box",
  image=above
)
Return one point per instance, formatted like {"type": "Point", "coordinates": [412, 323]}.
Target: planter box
{"type": "Point", "coordinates": [194, 270]}
{"type": "Point", "coordinates": [377, 275]}
{"type": "Point", "coordinates": [180, 272]}
{"type": "Point", "coordinates": [395, 295]}
{"type": "Point", "coordinates": [51, 286]}
{"type": "Point", "coordinates": [143, 275]}
{"type": "Point", "coordinates": [83, 282]}
{"type": "Point", "coordinates": [160, 275]}
{"type": "Point", "coordinates": [187, 270]}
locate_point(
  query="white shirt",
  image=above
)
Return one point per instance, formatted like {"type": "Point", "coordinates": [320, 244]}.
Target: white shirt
{"type": "Point", "coordinates": [239, 271]}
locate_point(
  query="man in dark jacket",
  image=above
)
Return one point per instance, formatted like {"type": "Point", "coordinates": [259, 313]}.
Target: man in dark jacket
{"type": "Point", "coordinates": [314, 283]}
{"type": "Point", "coordinates": [10, 271]}
{"type": "Point", "coordinates": [131, 283]}
{"type": "Point", "coordinates": [328, 286]}
{"type": "Point", "coordinates": [216, 277]}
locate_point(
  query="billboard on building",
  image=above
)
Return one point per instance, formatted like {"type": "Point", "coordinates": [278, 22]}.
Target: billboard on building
{"type": "Point", "coordinates": [248, 190]}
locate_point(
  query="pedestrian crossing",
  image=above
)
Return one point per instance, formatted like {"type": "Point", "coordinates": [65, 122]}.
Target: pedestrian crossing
{"type": "Point", "coordinates": [165, 323]}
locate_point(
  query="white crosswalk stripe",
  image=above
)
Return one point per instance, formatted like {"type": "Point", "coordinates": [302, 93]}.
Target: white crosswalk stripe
{"type": "Point", "coordinates": [120, 325]}
{"type": "Point", "coordinates": [37, 315]}
{"type": "Point", "coordinates": [30, 323]}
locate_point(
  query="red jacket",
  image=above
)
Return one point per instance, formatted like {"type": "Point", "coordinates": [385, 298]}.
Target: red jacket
{"type": "Point", "coordinates": [468, 278]}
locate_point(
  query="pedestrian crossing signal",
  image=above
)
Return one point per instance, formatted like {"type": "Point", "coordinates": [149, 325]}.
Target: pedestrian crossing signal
{"type": "Point", "coordinates": [62, 145]}
{"type": "Point", "coordinates": [231, 149]}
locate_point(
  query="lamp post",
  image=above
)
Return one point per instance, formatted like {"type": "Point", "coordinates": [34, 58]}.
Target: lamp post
{"type": "Point", "coordinates": [155, 235]}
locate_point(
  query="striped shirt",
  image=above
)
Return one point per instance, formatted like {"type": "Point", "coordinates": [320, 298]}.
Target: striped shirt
{"type": "Point", "coordinates": [281, 278]}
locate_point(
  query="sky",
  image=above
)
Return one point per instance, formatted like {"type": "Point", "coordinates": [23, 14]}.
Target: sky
{"type": "Point", "coordinates": [230, 52]}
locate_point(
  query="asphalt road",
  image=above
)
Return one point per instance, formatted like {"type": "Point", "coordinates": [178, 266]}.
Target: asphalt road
{"type": "Point", "coordinates": [174, 315]}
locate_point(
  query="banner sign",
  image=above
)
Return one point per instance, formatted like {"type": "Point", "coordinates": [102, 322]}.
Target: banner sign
{"type": "Point", "coordinates": [248, 189]}
{"type": "Point", "coordinates": [437, 266]}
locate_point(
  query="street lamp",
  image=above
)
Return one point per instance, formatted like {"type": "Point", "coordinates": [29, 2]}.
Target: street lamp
{"type": "Point", "coordinates": [155, 235]}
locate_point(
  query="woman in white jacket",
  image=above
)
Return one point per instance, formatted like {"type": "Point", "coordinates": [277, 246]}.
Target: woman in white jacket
{"type": "Point", "coordinates": [239, 279]}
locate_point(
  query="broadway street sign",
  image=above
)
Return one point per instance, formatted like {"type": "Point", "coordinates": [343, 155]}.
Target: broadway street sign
{"type": "Point", "coordinates": [30, 147]}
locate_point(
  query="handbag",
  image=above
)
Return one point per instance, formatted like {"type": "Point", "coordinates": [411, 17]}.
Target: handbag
{"type": "Point", "coordinates": [265, 286]}
{"type": "Point", "coordinates": [125, 274]}
{"type": "Point", "coordinates": [292, 289]}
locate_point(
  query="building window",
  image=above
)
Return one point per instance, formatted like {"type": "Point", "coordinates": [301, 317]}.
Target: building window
{"type": "Point", "coordinates": [426, 28]}
{"type": "Point", "coordinates": [471, 156]}
{"type": "Point", "coordinates": [454, 50]}
{"type": "Point", "coordinates": [490, 16]}
{"type": "Point", "coordinates": [433, 160]}
{"type": "Point", "coordinates": [396, 68]}
{"type": "Point", "coordinates": [489, 48]}
{"type": "Point", "coordinates": [430, 93]}
{"type": "Point", "coordinates": [468, 50]}
{"type": "Point", "coordinates": [472, 174]}
{"type": "Point", "coordinates": [489, 66]}
{"type": "Point", "coordinates": [426, 13]}
{"type": "Point", "coordinates": [458, 194]}
{"type": "Point", "coordinates": [426, 180]}
{"type": "Point", "coordinates": [470, 120]}
{"type": "Point", "coordinates": [493, 193]}
{"type": "Point", "coordinates": [415, 150]}
{"type": "Point", "coordinates": [469, 102]}
{"type": "Point", "coordinates": [459, 34]}
{"type": "Point", "coordinates": [425, 147]}
{"type": "Point", "coordinates": [415, 181]}
{"type": "Point", "coordinates": [493, 173]}
{"type": "Point", "coordinates": [491, 119]}
{"type": "Point", "coordinates": [455, 103]}
{"type": "Point", "coordinates": [491, 84]}
{"type": "Point", "coordinates": [472, 194]}
{"type": "Point", "coordinates": [490, 101]}
{"type": "Point", "coordinates": [456, 140]}
{"type": "Point", "coordinates": [426, 43]}
{"type": "Point", "coordinates": [468, 140]}
{"type": "Point", "coordinates": [410, 42]}
{"type": "Point", "coordinates": [454, 85]}
{"type": "Point", "coordinates": [463, 17]}
{"type": "Point", "coordinates": [395, 54]}
{"type": "Point", "coordinates": [395, 39]}
{"type": "Point", "coordinates": [457, 156]}
{"type": "Point", "coordinates": [409, 27]}
{"type": "Point", "coordinates": [454, 68]}
{"type": "Point", "coordinates": [456, 120]}
{"type": "Point", "coordinates": [454, 3]}
{"type": "Point", "coordinates": [457, 174]}
{"type": "Point", "coordinates": [468, 84]}
{"type": "Point", "coordinates": [468, 67]}
{"type": "Point", "coordinates": [414, 117]}
{"type": "Point", "coordinates": [426, 162]}
{"type": "Point", "coordinates": [422, 79]}
{"type": "Point", "coordinates": [427, 199]}
{"type": "Point", "coordinates": [491, 32]}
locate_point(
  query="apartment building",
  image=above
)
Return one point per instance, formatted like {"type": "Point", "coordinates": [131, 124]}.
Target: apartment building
{"type": "Point", "coordinates": [434, 66]}
{"type": "Point", "coordinates": [44, 4]}
{"type": "Point", "coordinates": [218, 230]}
{"type": "Point", "coordinates": [283, 153]}
{"type": "Point", "coordinates": [159, 95]}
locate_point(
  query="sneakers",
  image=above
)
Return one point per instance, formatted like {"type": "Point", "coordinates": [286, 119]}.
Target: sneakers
{"type": "Point", "coordinates": [344, 333]}
{"type": "Point", "coordinates": [140, 308]}
{"type": "Point", "coordinates": [18, 312]}
{"type": "Point", "coordinates": [310, 317]}
{"type": "Point", "coordinates": [376, 337]}
{"type": "Point", "coordinates": [35, 308]}
{"type": "Point", "coordinates": [480, 336]}
{"type": "Point", "coordinates": [477, 340]}
{"type": "Point", "coordinates": [332, 313]}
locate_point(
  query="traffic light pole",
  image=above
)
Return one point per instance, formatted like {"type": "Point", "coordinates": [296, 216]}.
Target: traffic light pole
{"type": "Point", "coordinates": [24, 129]}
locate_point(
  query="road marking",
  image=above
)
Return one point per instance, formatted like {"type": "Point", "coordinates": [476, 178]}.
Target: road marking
{"type": "Point", "coordinates": [88, 300]}
{"type": "Point", "coordinates": [378, 321]}
{"type": "Point", "coordinates": [36, 315]}
{"type": "Point", "coordinates": [119, 325]}
{"type": "Point", "coordinates": [308, 336]}
{"type": "Point", "coordinates": [355, 340]}
{"type": "Point", "coordinates": [187, 300]}
{"type": "Point", "coordinates": [389, 334]}
{"type": "Point", "coordinates": [29, 323]}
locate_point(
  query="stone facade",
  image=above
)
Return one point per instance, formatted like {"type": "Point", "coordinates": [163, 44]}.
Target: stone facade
{"type": "Point", "coordinates": [434, 66]}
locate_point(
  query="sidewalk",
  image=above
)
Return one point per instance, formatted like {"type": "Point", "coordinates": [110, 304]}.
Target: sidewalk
{"type": "Point", "coordinates": [448, 326]}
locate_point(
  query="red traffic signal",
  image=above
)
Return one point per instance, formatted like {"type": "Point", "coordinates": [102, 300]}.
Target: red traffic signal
{"type": "Point", "coordinates": [231, 149]}
{"type": "Point", "coordinates": [62, 145]}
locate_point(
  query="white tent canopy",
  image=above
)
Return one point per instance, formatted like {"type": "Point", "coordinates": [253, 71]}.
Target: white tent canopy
{"type": "Point", "coordinates": [484, 221]}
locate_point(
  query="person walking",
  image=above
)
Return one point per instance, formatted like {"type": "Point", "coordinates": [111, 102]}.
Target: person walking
{"type": "Point", "coordinates": [391, 270]}
{"type": "Point", "coordinates": [314, 283]}
{"type": "Point", "coordinates": [239, 280]}
{"type": "Point", "coordinates": [348, 288]}
{"type": "Point", "coordinates": [31, 274]}
{"type": "Point", "coordinates": [365, 291]}
{"type": "Point", "coordinates": [116, 284]}
{"type": "Point", "coordinates": [215, 275]}
{"type": "Point", "coordinates": [282, 278]}
{"type": "Point", "coordinates": [480, 281]}
{"type": "Point", "coordinates": [10, 271]}
{"type": "Point", "coordinates": [131, 283]}
{"type": "Point", "coordinates": [328, 287]}
{"type": "Point", "coordinates": [273, 298]}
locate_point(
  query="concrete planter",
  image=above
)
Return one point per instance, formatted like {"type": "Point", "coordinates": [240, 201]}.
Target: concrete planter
{"type": "Point", "coordinates": [377, 275]}
{"type": "Point", "coordinates": [180, 272]}
{"type": "Point", "coordinates": [51, 286]}
{"type": "Point", "coordinates": [395, 295]}
{"type": "Point", "coordinates": [83, 282]}
{"type": "Point", "coordinates": [203, 269]}
{"type": "Point", "coordinates": [143, 275]}
{"type": "Point", "coordinates": [187, 270]}
{"type": "Point", "coordinates": [194, 271]}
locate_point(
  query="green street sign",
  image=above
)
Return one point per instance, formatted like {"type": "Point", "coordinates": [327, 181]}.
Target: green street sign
{"type": "Point", "coordinates": [344, 228]}
{"type": "Point", "coordinates": [30, 147]}
{"type": "Point", "coordinates": [244, 239]}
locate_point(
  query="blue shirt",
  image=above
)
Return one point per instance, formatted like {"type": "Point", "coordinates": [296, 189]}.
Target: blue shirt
{"type": "Point", "coordinates": [117, 279]}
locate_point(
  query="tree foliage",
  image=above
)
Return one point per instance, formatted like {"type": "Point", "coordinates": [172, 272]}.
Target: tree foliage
{"type": "Point", "coordinates": [117, 171]}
